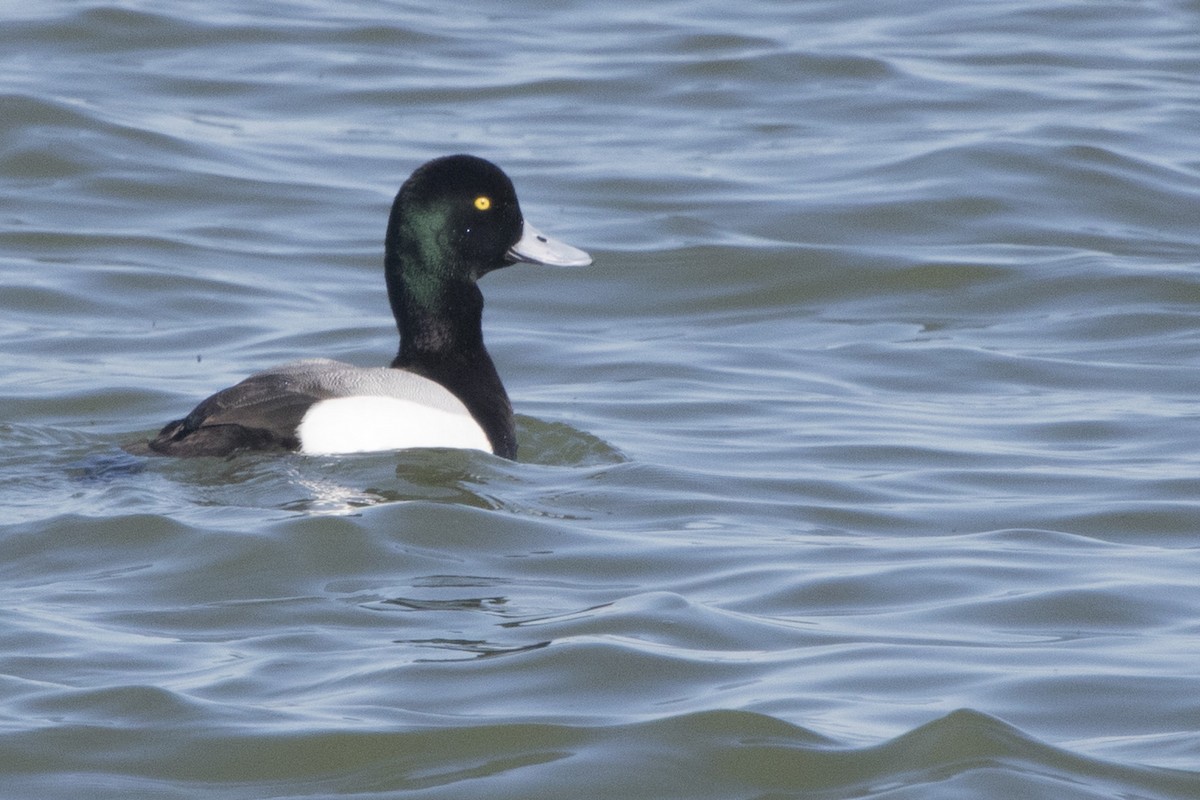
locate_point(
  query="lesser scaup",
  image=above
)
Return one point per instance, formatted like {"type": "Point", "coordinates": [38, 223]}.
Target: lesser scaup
{"type": "Point", "coordinates": [453, 221]}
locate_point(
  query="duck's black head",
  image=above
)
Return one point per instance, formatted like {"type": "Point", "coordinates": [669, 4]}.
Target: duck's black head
{"type": "Point", "coordinates": [453, 221]}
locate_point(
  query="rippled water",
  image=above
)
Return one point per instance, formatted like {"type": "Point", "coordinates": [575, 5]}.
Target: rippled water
{"type": "Point", "coordinates": [862, 463]}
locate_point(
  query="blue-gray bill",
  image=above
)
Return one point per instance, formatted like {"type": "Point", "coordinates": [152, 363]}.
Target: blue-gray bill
{"type": "Point", "coordinates": [535, 247]}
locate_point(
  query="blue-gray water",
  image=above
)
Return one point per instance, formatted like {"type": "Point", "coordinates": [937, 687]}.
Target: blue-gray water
{"type": "Point", "coordinates": [862, 463]}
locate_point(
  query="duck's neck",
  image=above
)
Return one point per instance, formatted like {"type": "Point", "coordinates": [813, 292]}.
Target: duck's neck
{"type": "Point", "coordinates": [441, 338]}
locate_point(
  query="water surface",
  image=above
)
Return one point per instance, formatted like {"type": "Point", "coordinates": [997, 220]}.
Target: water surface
{"type": "Point", "coordinates": [862, 463]}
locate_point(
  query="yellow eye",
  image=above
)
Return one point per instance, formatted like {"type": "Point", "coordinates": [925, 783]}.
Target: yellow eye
{"type": "Point", "coordinates": [483, 202]}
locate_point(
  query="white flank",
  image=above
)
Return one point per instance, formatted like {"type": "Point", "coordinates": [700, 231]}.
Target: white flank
{"type": "Point", "coordinates": [369, 423]}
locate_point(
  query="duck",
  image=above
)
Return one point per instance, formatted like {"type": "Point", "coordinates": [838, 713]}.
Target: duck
{"type": "Point", "coordinates": [453, 221]}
